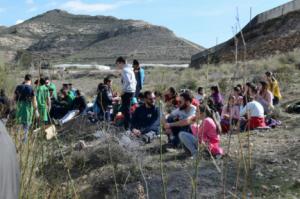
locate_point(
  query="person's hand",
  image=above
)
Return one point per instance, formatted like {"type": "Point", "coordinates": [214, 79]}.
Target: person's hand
{"type": "Point", "coordinates": [167, 126]}
{"type": "Point", "coordinates": [136, 132]}
{"type": "Point", "coordinates": [37, 114]}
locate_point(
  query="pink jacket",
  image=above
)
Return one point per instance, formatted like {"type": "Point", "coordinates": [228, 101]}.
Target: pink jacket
{"type": "Point", "coordinates": [207, 133]}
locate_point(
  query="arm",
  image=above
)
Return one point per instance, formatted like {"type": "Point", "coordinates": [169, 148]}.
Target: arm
{"type": "Point", "coordinates": [181, 123]}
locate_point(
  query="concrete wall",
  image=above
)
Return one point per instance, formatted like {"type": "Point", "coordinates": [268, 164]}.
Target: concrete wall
{"type": "Point", "coordinates": [260, 18]}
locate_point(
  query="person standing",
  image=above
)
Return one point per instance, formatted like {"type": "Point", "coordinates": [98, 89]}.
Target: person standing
{"type": "Point", "coordinates": [128, 88]}
{"type": "Point", "coordinates": [43, 101]}
{"type": "Point", "coordinates": [26, 104]}
{"type": "Point", "coordinates": [139, 76]}
{"type": "Point", "coordinates": [51, 86]}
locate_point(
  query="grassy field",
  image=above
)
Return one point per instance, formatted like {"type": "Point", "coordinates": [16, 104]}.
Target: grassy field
{"type": "Point", "coordinates": [257, 164]}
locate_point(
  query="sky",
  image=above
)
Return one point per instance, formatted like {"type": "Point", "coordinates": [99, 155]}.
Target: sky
{"type": "Point", "coordinates": [205, 22]}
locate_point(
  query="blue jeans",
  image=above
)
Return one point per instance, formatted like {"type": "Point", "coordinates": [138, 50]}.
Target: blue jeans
{"type": "Point", "coordinates": [189, 141]}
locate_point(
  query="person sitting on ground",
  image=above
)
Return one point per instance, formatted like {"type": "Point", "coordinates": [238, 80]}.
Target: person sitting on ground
{"type": "Point", "coordinates": [230, 115]}
{"type": "Point", "coordinates": [253, 112]}
{"type": "Point", "coordinates": [185, 111]}
{"type": "Point", "coordinates": [237, 93]}
{"type": "Point", "coordinates": [5, 106]}
{"type": "Point", "coordinates": [78, 107]}
{"type": "Point", "coordinates": [200, 95]}
{"type": "Point", "coordinates": [206, 133]}
{"type": "Point", "coordinates": [51, 86]}
{"type": "Point", "coordinates": [273, 86]}
{"type": "Point", "coordinates": [218, 100]}
{"type": "Point", "coordinates": [265, 97]}
{"type": "Point", "coordinates": [43, 101]}
{"type": "Point", "coordinates": [106, 99]}
{"type": "Point", "coordinates": [146, 119]}
{"type": "Point", "coordinates": [71, 90]}
{"type": "Point", "coordinates": [172, 101]}
{"type": "Point", "coordinates": [139, 76]}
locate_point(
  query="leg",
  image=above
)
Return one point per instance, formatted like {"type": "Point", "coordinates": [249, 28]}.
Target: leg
{"type": "Point", "coordinates": [189, 141]}
{"type": "Point", "coordinates": [126, 99]}
{"type": "Point", "coordinates": [70, 115]}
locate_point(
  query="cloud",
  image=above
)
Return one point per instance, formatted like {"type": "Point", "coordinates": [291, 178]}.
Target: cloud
{"type": "Point", "coordinates": [19, 21]}
{"type": "Point", "coordinates": [79, 6]}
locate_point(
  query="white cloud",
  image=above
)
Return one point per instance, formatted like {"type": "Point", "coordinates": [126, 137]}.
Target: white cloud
{"type": "Point", "coordinates": [19, 21]}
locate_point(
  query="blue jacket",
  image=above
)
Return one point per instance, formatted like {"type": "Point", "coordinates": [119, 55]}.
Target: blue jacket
{"type": "Point", "coordinates": [146, 119]}
{"type": "Point", "coordinates": [140, 78]}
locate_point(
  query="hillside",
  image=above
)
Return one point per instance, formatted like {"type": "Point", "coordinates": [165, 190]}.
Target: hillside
{"type": "Point", "coordinates": [60, 36]}
{"type": "Point", "coordinates": [271, 32]}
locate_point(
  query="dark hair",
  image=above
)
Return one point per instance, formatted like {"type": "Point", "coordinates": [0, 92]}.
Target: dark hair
{"type": "Point", "coordinates": [141, 95]}
{"type": "Point", "coordinates": [264, 86]}
{"type": "Point", "coordinates": [2, 92]}
{"type": "Point", "coordinates": [147, 93]}
{"type": "Point", "coordinates": [270, 74]}
{"type": "Point", "coordinates": [42, 81]}
{"type": "Point", "coordinates": [106, 80]}
{"type": "Point", "coordinates": [173, 91]}
{"type": "Point", "coordinates": [200, 89]}
{"type": "Point", "coordinates": [237, 89]}
{"type": "Point", "coordinates": [187, 96]}
{"type": "Point", "coordinates": [253, 88]}
{"type": "Point", "coordinates": [239, 86]}
{"type": "Point", "coordinates": [135, 63]}
{"type": "Point", "coordinates": [215, 89]}
{"type": "Point", "coordinates": [46, 78]}
{"type": "Point", "coordinates": [78, 92]}
{"type": "Point", "coordinates": [121, 60]}
{"type": "Point", "coordinates": [212, 114]}
{"type": "Point", "coordinates": [28, 77]}
{"type": "Point", "coordinates": [157, 94]}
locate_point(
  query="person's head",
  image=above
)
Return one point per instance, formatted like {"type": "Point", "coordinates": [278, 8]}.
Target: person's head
{"type": "Point", "coordinates": [172, 92]}
{"type": "Point", "coordinates": [203, 111]}
{"type": "Point", "coordinates": [237, 91]}
{"type": "Point", "coordinates": [135, 64]}
{"type": "Point", "coordinates": [158, 94]}
{"type": "Point", "coordinates": [120, 62]}
{"type": "Point", "coordinates": [185, 100]}
{"type": "Point", "coordinates": [47, 80]}
{"type": "Point", "coordinates": [263, 86]}
{"type": "Point", "coordinates": [42, 81]}
{"type": "Point", "coordinates": [253, 90]}
{"type": "Point", "coordinates": [78, 93]}
{"type": "Point", "coordinates": [107, 81]}
{"type": "Point", "coordinates": [70, 86]}
{"type": "Point", "coordinates": [231, 100]}
{"type": "Point", "coordinates": [269, 76]}
{"type": "Point", "coordinates": [28, 78]}
{"type": "Point", "coordinates": [2, 92]}
{"type": "Point", "coordinates": [214, 89]}
{"type": "Point", "coordinates": [200, 91]}
{"type": "Point", "coordinates": [141, 97]}
{"type": "Point", "coordinates": [149, 98]}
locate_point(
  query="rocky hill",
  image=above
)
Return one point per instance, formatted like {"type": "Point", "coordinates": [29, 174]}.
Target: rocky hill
{"type": "Point", "coordinates": [271, 32]}
{"type": "Point", "coordinates": [63, 37]}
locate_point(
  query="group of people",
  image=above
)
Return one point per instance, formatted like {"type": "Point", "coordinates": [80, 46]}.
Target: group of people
{"type": "Point", "coordinates": [187, 118]}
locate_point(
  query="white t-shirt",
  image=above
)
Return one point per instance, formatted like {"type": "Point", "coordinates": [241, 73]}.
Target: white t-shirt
{"type": "Point", "coordinates": [182, 114]}
{"type": "Point", "coordinates": [254, 108]}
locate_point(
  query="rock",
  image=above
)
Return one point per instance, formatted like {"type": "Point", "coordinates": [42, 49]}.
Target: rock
{"type": "Point", "coordinates": [297, 183]}
{"type": "Point", "coordinates": [80, 145]}
{"type": "Point", "coordinates": [259, 174]}
{"type": "Point", "coordinates": [264, 188]}
{"type": "Point", "coordinates": [272, 161]}
{"type": "Point", "coordinates": [275, 188]}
